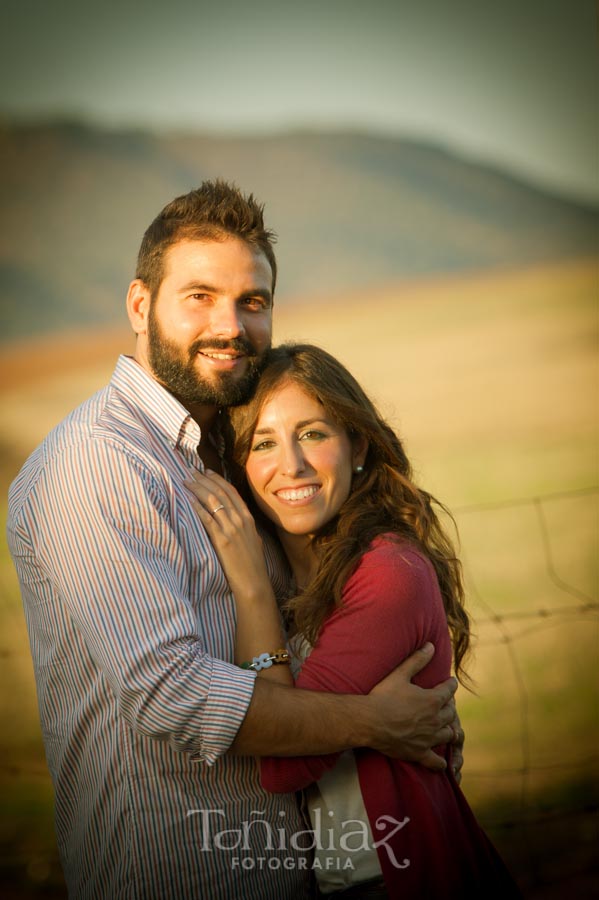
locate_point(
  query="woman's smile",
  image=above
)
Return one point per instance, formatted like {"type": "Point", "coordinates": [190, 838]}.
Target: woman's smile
{"type": "Point", "coordinates": [298, 495]}
{"type": "Point", "coordinates": [300, 463]}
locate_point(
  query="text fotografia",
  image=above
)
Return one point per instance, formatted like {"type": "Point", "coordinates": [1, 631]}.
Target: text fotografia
{"type": "Point", "coordinates": [354, 837]}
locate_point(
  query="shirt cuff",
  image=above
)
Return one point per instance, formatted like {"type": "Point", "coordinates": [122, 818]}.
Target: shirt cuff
{"type": "Point", "coordinates": [227, 702]}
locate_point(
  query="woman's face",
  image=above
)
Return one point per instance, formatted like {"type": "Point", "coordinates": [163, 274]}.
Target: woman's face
{"type": "Point", "coordinates": [300, 463]}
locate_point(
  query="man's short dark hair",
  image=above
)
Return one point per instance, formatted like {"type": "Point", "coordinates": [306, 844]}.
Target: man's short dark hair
{"type": "Point", "coordinates": [214, 211]}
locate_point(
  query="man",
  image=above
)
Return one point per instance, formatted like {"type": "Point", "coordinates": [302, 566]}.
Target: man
{"type": "Point", "coordinates": [148, 726]}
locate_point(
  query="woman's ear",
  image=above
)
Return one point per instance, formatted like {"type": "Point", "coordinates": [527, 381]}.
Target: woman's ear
{"type": "Point", "coordinates": [359, 450]}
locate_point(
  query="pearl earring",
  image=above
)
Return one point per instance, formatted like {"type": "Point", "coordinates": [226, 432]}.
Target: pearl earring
{"type": "Point", "coordinates": [359, 469]}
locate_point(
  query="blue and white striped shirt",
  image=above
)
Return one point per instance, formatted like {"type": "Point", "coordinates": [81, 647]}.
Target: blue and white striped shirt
{"type": "Point", "coordinates": [132, 624]}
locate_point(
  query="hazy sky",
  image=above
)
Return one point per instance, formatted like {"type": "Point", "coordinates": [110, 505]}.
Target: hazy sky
{"type": "Point", "coordinates": [516, 81]}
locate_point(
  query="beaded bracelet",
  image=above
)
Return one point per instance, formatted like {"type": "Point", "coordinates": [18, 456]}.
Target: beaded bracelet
{"type": "Point", "coordinates": [266, 660]}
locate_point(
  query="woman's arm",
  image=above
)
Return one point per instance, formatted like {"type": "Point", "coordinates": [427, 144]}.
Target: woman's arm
{"type": "Point", "coordinates": [391, 606]}
{"type": "Point", "coordinates": [398, 718]}
{"type": "Point", "coordinates": [233, 533]}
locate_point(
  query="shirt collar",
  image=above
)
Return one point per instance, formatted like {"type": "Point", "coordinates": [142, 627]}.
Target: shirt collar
{"type": "Point", "coordinates": [155, 403]}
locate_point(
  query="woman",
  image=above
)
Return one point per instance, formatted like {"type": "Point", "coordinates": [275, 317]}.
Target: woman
{"type": "Point", "coordinates": [374, 578]}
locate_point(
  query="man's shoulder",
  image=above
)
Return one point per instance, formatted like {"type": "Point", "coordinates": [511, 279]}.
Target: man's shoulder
{"type": "Point", "coordinates": [106, 415]}
{"type": "Point", "coordinates": [105, 418]}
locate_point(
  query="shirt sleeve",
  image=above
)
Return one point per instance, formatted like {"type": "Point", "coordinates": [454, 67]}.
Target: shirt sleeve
{"type": "Point", "coordinates": [391, 607]}
{"type": "Point", "coordinates": [95, 543]}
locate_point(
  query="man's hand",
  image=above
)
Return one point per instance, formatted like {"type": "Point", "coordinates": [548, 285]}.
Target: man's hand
{"type": "Point", "coordinates": [457, 748]}
{"type": "Point", "coordinates": [412, 720]}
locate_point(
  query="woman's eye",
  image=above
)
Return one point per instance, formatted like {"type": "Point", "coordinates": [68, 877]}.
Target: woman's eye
{"type": "Point", "coordinates": [312, 435]}
{"type": "Point", "coordinates": [263, 445]}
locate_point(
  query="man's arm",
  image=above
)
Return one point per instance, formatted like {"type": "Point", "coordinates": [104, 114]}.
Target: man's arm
{"type": "Point", "coordinates": [96, 547]}
{"type": "Point", "coordinates": [396, 717]}
{"type": "Point", "coordinates": [110, 565]}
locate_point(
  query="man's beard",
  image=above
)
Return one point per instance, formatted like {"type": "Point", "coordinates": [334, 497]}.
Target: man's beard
{"type": "Point", "coordinates": [181, 379]}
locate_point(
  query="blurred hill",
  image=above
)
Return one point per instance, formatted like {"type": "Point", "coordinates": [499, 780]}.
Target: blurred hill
{"type": "Point", "coordinates": [351, 211]}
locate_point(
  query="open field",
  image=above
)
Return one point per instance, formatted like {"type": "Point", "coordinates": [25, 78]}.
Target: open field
{"type": "Point", "coordinates": [493, 381]}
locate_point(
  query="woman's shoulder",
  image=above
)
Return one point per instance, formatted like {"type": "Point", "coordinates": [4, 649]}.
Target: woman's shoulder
{"type": "Point", "coordinates": [395, 581]}
{"type": "Point", "coordinates": [393, 551]}
{"type": "Point", "coordinates": [397, 563]}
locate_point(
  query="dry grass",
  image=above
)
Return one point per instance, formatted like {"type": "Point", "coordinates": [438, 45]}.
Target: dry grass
{"type": "Point", "coordinates": [493, 382]}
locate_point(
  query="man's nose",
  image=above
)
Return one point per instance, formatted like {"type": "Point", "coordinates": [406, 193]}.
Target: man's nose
{"type": "Point", "coordinates": [226, 319]}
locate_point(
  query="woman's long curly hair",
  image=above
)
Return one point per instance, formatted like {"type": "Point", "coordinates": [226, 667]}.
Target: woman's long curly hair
{"type": "Point", "coordinates": [383, 497]}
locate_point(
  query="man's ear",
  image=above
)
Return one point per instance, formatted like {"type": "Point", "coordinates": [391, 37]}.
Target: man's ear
{"type": "Point", "coordinates": [359, 450]}
{"type": "Point", "coordinates": [138, 306]}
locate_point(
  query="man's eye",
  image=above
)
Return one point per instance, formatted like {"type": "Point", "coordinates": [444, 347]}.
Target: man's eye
{"type": "Point", "coordinates": [200, 297]}
{"type": "Point", "coordinates": [256, 303]}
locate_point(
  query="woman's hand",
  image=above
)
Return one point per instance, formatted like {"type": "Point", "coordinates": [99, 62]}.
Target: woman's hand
{"type": "Point", "coordinates": [234, 536]}
{"type": "Point", "coordinates": [232, 530]}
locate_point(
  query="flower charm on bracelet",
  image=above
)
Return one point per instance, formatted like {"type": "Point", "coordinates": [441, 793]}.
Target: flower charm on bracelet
{"type": "Point", "coordinates": [266, 660]}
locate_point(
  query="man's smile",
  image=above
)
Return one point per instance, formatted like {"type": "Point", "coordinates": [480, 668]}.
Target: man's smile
{"type": "Point", "coordinates": [219, 354]}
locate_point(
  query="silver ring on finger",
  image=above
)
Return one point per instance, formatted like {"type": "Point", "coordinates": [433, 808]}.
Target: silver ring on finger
{"type": "Point", "coordinates": [217, 509]}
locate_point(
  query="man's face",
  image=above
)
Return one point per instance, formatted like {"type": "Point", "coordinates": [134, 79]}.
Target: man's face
{"type": "Point", "coordinates": [211, 321]}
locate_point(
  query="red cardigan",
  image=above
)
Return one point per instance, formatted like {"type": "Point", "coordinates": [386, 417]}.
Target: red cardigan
{"type": "Point", "coordinates": [391, 606]}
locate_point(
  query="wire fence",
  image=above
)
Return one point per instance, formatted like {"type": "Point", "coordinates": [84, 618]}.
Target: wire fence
{"type": "Point", "coordinates": [509, 627]}
{"type": "Point", "coordinates": [531, 822]}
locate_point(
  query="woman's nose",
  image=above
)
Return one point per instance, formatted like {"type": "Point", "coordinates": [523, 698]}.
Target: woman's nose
{"type": "Point", "coordinates": [294, 463]}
